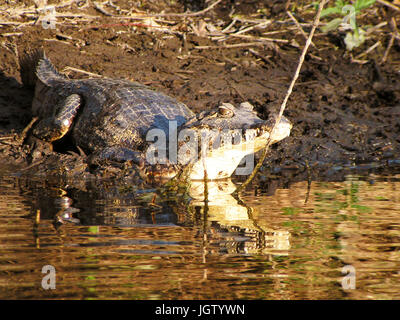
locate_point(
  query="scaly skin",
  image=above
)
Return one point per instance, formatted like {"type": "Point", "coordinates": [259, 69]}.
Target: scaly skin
{"type": "Point", "coordinates": [110, 118]}
{"type": "Point", "coordinates": [113, 113]}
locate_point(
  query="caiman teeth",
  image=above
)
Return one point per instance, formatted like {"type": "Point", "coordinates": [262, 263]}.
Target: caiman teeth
{"type": "Point", "coordinates": [250, 134]}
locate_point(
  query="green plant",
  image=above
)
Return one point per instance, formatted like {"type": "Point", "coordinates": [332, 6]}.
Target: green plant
{"type": "Point", "coordinates": [348, 11]}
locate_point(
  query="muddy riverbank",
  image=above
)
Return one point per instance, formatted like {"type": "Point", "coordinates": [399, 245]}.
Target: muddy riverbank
{"type": "Point", "coordinates": [344, 108]}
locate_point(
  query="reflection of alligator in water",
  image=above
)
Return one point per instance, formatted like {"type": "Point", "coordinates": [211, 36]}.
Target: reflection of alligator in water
{"type": "Point", "coordinates": [226, 223]}
{"type": "Point", "coordinates": [232, 224]}
{"type": "Point", "coordinates": [111, 120]}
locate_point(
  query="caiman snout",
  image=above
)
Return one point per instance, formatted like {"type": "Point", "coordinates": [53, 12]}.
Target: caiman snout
{"type": "Point", "coordinates": [221, 160]}
{"type": "Point", "coordinates": [281, 131]}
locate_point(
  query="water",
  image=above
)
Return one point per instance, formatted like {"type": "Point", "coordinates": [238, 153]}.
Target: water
{"type": "Point", "coordinates": [116, 243]}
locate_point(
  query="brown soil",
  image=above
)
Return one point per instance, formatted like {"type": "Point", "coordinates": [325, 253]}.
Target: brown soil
{"type": "Point", "coordinates": [344, 111]}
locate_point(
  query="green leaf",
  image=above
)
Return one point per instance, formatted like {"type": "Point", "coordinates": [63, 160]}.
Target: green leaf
{"type": "Point", "coordinates": [339, 3]}
{"type": "Point", "coordinates": [332, 25]}
{"type": "Point", "coordinates": [362, 209]}
{"type": "Point", "coordinates": [337, 9]}
{"type": "Point", "coordinates": [93, 229]}
{"type": "Point", "coordinates": [331, 10]}
{"type": "Point", "coordinates": [289, 211]}
{"type": "Point", "coordinates": [362, 4]}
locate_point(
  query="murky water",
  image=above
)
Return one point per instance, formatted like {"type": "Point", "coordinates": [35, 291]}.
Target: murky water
{"type": "Point", "coordinates": [116, 243]}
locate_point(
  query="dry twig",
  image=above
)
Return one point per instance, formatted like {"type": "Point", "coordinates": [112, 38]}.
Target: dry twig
{"type": "Point", "coordinates": [191, 14]}
{"type": "Point", "coordinates": [395, 31]}
{"type": "Point", "coordinates": [388, 4]}
{"type": "Point", "coordinates": [100, 8]}
{"type": "Point", "coordinates": [386, 54]}
{"type": "Point", "coordinates": [262, 57]}
{"type": "Point", "coordinates": [24, 132]}
{"type": "Point", "coordinates": [261, 43]}
{"type": "Point", "coordinates": [84, 72]}
{"type": "Point", "coordinates": [368, 50]}
{"type": "Point", "coordinates": [298, 26]}
{"type": "Point", "coordinates": [285, 100]}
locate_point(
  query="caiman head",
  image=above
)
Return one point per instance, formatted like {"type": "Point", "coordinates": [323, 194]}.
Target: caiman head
{"type": "Point", "coordinates": [214, 142]}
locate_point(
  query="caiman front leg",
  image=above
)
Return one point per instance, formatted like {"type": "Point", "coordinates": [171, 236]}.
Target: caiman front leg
{"type": "Point", "coordinates": [118, 154]}
{"type": "Point", "coordinates": [57, 126]}
{"type": "Point", "coordinates": [138, 159]}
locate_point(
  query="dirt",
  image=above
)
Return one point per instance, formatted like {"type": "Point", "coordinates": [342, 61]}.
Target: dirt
{"type": "Point", "coordinates": [345, 112]}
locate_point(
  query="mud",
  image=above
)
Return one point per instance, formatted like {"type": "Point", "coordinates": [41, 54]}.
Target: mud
{"type": "Point", "coordinates": [344, 113]}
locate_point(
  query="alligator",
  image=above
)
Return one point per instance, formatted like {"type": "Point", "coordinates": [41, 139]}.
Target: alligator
{"type": "Point", "coordinates": [121, 120]}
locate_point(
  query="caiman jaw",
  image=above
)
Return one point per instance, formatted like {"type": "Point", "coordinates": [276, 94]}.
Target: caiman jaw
{"type": "Point", "coordinates": [220, 163]}
{"type": "Point", "coordinates": [213, 143]}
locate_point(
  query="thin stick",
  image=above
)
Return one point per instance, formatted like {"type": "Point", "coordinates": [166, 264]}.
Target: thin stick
{"type": "Point", "coordinates": [9, 23]}
{"type": "Point", "coordinates": [126, 24]}
{"type": "Point", "coordinates": [298, 26]}
{"type": "Point", "coordinates": [309, 180]}
{"type": "Point", "coordinates": [240, 45]}
{"type": "Point", "coordinates": [262, 57]}
{"type": "Point", "coordinates": [192, 14]}
{"type": "Point", "coordinates": [388, 4]}
{"type": "Point", "coordinates": [393, 27]}
{"type": "Point", "coordinates": [229, 26]}
{"type": "Point", "coordinates": [155, 15]}
{"type": "Point", "coordinates": [24, 132]}
{"type": "Point", "coordinates": [83, 71]}
{"type": "Point", "coordinates": [12, 34]}
{"type": "Point", "coordinates": [285, 100]}
{"type": "Point", "coordinates": [100, 8]}
{"type": "Point", "coordinates": [259, 25]}
{"type": "Point", "coordinates": [246, 36]}
{"type": "Point", "coordinates": [368, 50]}
{"type": "Point", "coordinates": [386, 54]}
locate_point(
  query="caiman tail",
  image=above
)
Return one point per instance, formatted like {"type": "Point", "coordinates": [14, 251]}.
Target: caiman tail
{"type": "Point", "coordinates": [35, 65]}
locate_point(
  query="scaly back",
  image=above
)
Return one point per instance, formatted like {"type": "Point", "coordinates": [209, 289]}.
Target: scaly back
{"type": "Point", "coordinates": [35, 65]}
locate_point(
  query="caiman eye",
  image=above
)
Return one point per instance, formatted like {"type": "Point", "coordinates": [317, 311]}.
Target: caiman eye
{"type": "Point", "coordinates": [225, 112]}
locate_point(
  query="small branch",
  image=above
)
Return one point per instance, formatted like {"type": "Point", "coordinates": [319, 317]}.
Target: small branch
{"type": "Point", "coordinates": [198, 13]}
{"type": "Point", "coordinates": [127, 24]}
{"type": "Point", "coordinates": [100, 8]}
{"type": "Point", "coordinates": [240, 45]}
{"type": "Point", "coordinates": [245, 36]}
{"type": "Point", "coordinates": [83, 71]}
{"type": "Point", "coordinates": [388, 4]}
{"type": "Point", "coordinates": [12, 34]}
{"type": "Point", "coordinates": [285, 100]}
{"type": "Point", "coordinates": [259, 25]}
{"type": "Point", "coordinates": [191, 14]}
{"type": "Point", "coordinates": [298, 26]}
{"type": "Point", "coordinates": [393, 27]}
{"type": "Point", "coordinates": [386, 54]}
{"type": "Point", "coordinates": [8, 23]}
{"type": "Point", "coordinates": [24, 132]}
{"type": "Point", "coordinates": [262, 57]}
{"type": "Point", "coordinates": [368, 50]}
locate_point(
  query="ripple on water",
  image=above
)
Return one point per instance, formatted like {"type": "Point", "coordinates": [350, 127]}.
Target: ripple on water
{"type": "Point", "coordinates": [289, 245]}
